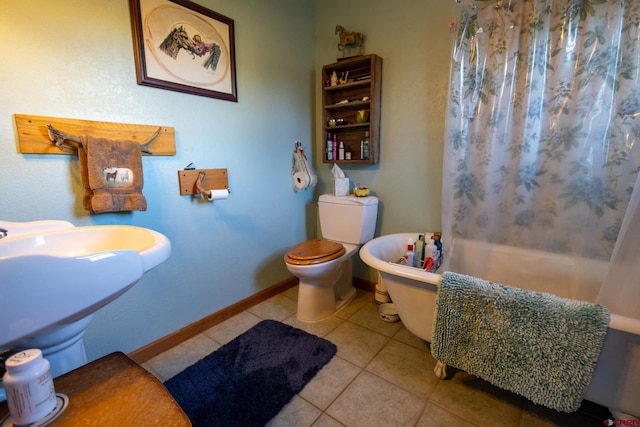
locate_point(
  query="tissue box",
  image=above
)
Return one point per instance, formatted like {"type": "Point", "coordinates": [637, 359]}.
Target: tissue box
{"type": "Point", "coordinates": [341, 186]}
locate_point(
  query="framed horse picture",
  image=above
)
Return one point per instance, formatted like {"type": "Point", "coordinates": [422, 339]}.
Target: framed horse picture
{"type": "Point", "coordinates": [182, 46]}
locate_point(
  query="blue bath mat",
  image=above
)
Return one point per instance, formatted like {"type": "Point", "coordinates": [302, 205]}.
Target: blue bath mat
{"type": "Point", "coordinates": [247, 381]}
{"type": "Point", "coordinates": [538, 345]}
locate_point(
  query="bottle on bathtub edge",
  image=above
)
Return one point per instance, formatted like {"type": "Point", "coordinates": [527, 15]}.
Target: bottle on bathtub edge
{"type": "Point", "coordinates": [419, 252]}
{"type": "Point", "coordinates": [430, 249]}
{"type": "Point", "coordinates": [437, 238]}
{"type": "Point", "coordinates": [409, 255]}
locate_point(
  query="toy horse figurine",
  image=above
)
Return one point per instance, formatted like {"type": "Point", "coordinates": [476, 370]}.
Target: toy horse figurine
{"type": "Point", "coordinates": [349, 40]}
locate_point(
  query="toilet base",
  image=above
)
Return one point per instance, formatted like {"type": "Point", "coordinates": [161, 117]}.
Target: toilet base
{"type": "Point", "coordinates": [317, 304]}
{"type": "Point", "coordinates": [346, 299]}
{"type": "Point", "coordinates": [324, 288]}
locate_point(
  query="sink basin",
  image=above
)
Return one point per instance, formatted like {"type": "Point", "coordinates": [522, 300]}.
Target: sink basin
{"type": "Point", "coordinates": [75, 242]}
{"type": "Point", "coordinates": [54, 276]}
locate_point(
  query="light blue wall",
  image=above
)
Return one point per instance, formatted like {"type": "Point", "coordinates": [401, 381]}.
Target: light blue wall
{"type": "Point", "coordinates": [74, 59]}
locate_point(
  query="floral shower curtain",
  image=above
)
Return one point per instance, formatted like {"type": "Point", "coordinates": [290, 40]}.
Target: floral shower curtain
{"type": "Point", "coordinates": [542, 144]}
{"type": "Point", "coordinates": [620, 291]}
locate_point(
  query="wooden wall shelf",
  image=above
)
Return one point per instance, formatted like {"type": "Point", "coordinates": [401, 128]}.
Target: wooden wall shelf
{"type": "Point", "coordinates": [360, 92]}
{"type": "Point", "coordinates": [33, 137]}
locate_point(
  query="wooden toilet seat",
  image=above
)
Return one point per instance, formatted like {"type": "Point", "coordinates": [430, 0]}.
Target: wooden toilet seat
{"type": "Point", "coordinates": [314, 252]}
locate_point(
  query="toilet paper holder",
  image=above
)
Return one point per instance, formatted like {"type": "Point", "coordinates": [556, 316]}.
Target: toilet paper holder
{"type": "Point", "coordinates": [202, 181]}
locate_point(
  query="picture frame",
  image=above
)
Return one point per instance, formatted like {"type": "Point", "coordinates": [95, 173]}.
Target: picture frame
{"type": "Point", "coordinates": [182, 46]}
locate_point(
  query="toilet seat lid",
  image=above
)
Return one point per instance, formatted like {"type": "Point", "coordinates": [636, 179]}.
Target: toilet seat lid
{"type": "Point", "coordinates": [314, 252]}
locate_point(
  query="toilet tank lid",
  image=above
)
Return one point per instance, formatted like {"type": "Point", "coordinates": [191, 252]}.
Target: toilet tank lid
{"type": "Point", "coordinates": [348, 200]}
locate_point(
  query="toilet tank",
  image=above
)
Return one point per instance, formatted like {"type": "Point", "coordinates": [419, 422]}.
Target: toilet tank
{"type": "Point", "coordinates": [348, 219]}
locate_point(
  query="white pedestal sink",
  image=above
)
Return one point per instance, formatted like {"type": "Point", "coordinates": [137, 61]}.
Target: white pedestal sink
{"type": "Point", "coordinates": [54, 276]}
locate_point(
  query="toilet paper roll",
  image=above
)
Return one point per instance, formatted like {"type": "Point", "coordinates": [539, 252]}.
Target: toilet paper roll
{"type": "Point", "coordinates": [218, 195]}
{"type": "Point", "coordinates": [300, 180]}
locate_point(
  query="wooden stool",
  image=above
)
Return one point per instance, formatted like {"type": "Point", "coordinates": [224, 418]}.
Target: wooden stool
{"type": "Point", "coordinates": [114, 391]}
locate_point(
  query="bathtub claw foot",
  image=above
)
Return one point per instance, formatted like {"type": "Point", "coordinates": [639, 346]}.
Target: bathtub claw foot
{"type": "Point", "coordinates": [440, 370]}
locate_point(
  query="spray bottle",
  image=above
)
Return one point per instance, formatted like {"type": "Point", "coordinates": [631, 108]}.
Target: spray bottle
{"type": "Point", "coordinates": [409, 255]}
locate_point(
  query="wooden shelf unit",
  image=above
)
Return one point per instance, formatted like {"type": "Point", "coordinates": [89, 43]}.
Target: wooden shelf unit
{"type": "Point", "coordinates": [344, 100]}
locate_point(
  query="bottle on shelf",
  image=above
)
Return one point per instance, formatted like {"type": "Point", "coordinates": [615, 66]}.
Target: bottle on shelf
{"type": "Point", "coordinates": [364, 147]}
{"type": "Point", "coordinates": [335, 147]}
{"type": "Point", "coordinates": [329, 147]}
{"type": "Point", "coordinates": [341, 151]}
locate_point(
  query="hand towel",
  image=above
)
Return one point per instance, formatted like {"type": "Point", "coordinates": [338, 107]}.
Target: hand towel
{"type": "Point", "coordinates": [111, 173]}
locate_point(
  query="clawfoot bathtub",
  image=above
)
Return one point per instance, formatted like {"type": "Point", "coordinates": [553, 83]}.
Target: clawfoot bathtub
{"type": "Point", "coordinates": [616, 380]}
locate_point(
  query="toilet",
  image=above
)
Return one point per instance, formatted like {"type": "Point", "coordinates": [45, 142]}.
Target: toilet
{"type": "Point", "coordinates": [324, 265]}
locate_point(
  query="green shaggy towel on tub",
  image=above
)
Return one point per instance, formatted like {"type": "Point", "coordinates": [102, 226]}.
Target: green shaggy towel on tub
{"type": "Point", "coordinates": [538, 345]}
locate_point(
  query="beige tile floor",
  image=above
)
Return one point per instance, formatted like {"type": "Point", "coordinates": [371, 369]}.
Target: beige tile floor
{"type": "Point", "coordinates": [382, 375]}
